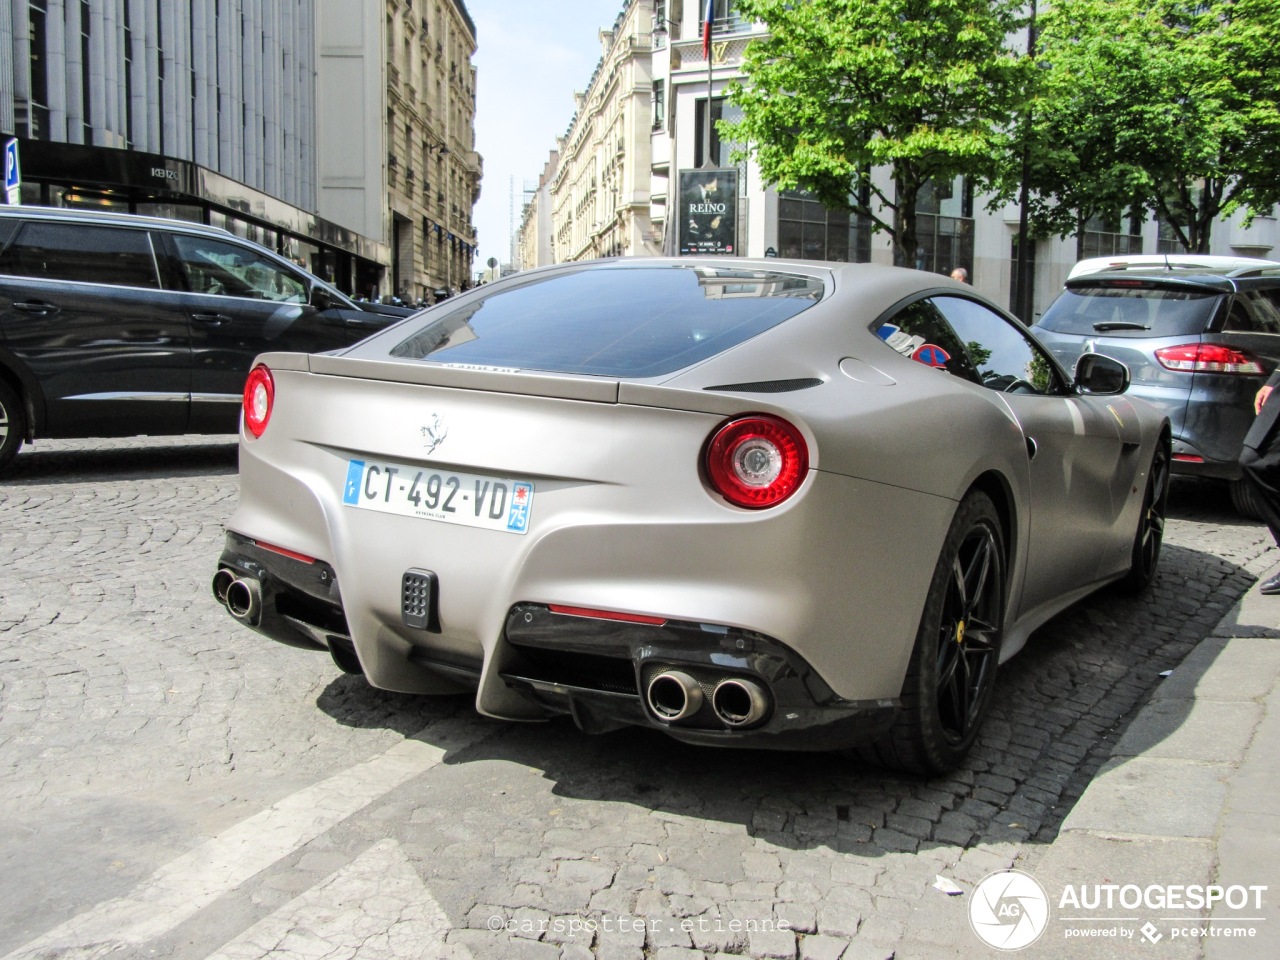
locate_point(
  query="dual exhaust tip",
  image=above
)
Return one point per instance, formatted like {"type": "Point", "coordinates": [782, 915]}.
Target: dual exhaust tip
{"type": "Point", "coordinates": [242, 596]}
{"type": "Point", "coordinates": [737, 702]}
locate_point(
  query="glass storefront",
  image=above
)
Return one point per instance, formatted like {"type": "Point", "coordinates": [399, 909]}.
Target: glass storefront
{"type": "Point", "coordinates": [127, 181]}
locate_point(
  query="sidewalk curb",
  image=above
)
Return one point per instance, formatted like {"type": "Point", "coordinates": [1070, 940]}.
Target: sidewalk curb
{"type": "Point", "coordinates": [1187, 797]}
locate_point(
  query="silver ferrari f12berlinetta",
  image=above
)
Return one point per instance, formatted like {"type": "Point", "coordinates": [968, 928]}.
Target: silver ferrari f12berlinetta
{"type": "Point", "coordinates": [783, 504]}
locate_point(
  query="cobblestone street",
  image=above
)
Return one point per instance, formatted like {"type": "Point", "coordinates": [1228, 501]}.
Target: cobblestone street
{"type": "Point", "coordinates": [173, 785]}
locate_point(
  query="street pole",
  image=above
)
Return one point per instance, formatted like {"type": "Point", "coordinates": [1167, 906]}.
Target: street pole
{"type": "Point", "coordinates": [706, 147]}
{"type": "Point", "coordinates": [1023, 299]}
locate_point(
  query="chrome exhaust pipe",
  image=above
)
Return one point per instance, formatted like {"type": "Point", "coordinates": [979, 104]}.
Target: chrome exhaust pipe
{"type": "Point", "coordinates": [221, 580]}
{"type": "Point", "coordinates": [244, 600]}
{"type": "Point", "coordinates": [739, 702]}
{"type": "Point", "coordinates": [674, 695]}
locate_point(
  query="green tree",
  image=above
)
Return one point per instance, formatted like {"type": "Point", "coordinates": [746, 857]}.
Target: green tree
{"type": "Point", "coordinates": [1169, 104]}
{"type": "Point", "coordinates": [838, 88]}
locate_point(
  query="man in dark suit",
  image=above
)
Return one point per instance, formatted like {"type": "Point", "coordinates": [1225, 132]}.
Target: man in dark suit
{"type": "Point", "coordinates": [1260, 463]}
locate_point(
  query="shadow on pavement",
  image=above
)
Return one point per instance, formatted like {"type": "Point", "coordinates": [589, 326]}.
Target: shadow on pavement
{"type": "Point", "coordinates": [1060, 707]}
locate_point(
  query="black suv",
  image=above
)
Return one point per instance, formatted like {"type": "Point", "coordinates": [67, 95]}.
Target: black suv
{"type": "Point", "coordinates": [1199, 335]}
{"type": "Point", "coordinates": [118, 325]}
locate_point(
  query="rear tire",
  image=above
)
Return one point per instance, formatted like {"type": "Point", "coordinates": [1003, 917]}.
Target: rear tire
{"type": "Point", "coordinates": [1150, 533]}
{"type": "Point", "coordinates": [13, 424]}
{"type": "Point", "coordinates": [1245, 499]}
{"type": "Point", "coordinates": [952, 672]}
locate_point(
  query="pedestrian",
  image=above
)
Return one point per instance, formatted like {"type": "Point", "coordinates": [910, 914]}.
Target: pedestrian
{"type": "Point", "coordinates": [1260, 464]}
{"type": "Point", "coordinates": [961, 274]}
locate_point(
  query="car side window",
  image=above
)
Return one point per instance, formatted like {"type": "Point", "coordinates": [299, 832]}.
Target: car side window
{"type": "Point", "coordinates": [1006, 359]}
{"type": "Point", "coordinates": [82, 253]}
{"type": "Point", "coordinates": [1239, 320]}
{"type": "Point", "coordinates": [1266, 308]}
{"type": "Point", "coordinates": [919, 331]}
{"type": "Point", "coordinates": [227, 269]}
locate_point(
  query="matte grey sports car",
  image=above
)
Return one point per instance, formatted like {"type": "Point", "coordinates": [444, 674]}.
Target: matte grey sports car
{"type": "Point", "coordinates": [762, 503]}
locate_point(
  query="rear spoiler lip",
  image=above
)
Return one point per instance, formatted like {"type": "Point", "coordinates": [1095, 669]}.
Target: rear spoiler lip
{"type": "Point", "coordinates": [640, 393]}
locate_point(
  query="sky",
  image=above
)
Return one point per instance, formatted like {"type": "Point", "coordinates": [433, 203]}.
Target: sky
{"type": "Point", "coordinates": [531, 55]}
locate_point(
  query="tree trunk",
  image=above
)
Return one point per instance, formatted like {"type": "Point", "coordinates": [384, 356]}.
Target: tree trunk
{"type": "Point", "coordinates": [907, 187]}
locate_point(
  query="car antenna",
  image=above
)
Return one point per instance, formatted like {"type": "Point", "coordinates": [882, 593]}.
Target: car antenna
{"type": "Point", "coordinates": [1167, 264]}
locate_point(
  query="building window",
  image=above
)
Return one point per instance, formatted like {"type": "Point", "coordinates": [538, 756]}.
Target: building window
{"type": "Point", "coordinates": [659, 104]}
{"type": "Point", "coordinates": [727, 19]}
{"type": "Point", "coordinates": [944, 226]}
{"type": "Point", "coordinates": [160, 12]}
{"type": "Point", "coordinates": [1167, 240]}
{"type": "Point", "coordinates": [720, 149]}
{"type": "Point", "coordinates": [1014, 307]}
{"type": "Point", "coordinates": [37, 126]}
{"type": "Point", "coordinates": [807, 230]}
{"type": "Point", "coordinates": [86, 92]}
{"type": "Point", "coordinates": [128, 78]}
{"type": "Point", "coordinates": [1104, 237]}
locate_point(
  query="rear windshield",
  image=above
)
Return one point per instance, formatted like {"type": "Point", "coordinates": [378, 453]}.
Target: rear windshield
{"type": "Point", "coordinates": [1130, 311]}
{"type": "Point", "coordinates": [616, 321]}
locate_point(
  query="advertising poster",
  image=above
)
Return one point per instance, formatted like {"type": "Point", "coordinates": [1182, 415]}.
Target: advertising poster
{"type": "Point", "coordinates": [708, 211]}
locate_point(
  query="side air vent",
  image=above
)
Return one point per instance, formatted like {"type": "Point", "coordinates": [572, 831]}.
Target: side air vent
{"type": "Point", "coordinates": [769, 386]}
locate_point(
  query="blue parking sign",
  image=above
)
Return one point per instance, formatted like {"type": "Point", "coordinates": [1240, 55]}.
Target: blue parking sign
{"type": "Point", "coordinates": [12, 172]}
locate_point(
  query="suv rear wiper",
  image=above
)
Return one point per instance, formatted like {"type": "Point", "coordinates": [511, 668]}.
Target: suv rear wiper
{"type": "Point", "coordinates": [1120, 325]}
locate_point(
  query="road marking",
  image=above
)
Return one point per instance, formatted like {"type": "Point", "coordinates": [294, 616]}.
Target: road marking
{"type": "Point", "coordinates": [376, 908]}
{"type": "Point", "coordinates": [186, 885]}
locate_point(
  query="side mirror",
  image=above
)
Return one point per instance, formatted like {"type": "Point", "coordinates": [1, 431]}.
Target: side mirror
{"type": "Point", "coordinates": [320, 298]}
{"type": "Point", "coordinates": [1101, 376]}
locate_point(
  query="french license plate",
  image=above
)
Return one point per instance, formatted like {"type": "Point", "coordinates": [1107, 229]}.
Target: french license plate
{"type": "Point", "coordinates": [492, 503]}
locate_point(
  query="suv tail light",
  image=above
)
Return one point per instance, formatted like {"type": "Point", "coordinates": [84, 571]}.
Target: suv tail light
{"type": "Point", "coordinates": [1208, 358]}
{"type": "Point", "coordinates": [259, 396]}
{"type": "Point", "coordinates": [757, 461]}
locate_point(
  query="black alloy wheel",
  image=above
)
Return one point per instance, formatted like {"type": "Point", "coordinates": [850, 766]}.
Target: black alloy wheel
{"type": "Point", "coordinates": [13, 424]}
{"type": "Point", "coordinates": [969, 633]}
{"type": "Point", "coordinates": [953, 667]}
{"type": "Point", "coordinates": [1150, 532]}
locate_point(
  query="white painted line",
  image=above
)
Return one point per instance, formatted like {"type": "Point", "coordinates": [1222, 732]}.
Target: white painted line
{"type": "Point", "coordinates": [374, 908]}
{"type": "Point", "coordinates": [183, 887]}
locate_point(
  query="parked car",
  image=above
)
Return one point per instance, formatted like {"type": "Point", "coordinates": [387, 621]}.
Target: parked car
{"type": "Point", "coordinates": [118, 325]}
{"type": "Point", "coordinates": [1199, 335]}
{"type": "Point", "coordinates": [766, 503]}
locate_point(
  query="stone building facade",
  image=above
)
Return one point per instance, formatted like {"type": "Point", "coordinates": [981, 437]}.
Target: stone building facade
{"type": "Point", "coordinates": [433, 169]}
{"type": "Point", "coordinates": [601, 191]}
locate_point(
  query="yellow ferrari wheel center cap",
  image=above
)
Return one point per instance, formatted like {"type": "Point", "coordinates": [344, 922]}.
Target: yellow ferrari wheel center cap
{"type": "Point", "coordinates": [960, 632]}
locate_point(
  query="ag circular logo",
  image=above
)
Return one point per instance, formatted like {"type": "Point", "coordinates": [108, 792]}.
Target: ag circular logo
{"type": "Point", "coordinates": [1009, 910]}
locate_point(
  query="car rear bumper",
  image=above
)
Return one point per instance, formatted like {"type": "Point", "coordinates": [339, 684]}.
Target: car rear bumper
{"type": "Point", "coordinates": [595, 669]}
{"type": "Point", "coordinates": [1190, 461]}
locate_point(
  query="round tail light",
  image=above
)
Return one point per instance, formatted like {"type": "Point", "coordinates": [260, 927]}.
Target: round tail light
{"type": "Point", "coordinates": [757, 461]}
{"type": "Point", "coordinates": [259, 395]}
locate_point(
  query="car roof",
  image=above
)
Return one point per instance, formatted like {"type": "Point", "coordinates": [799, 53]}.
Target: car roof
{"type": "Point", "coordinates": [1175, 264]}
{"type": "Point", "coordinates": [109, 217]}
{"type": "Point", "coordinates": [1156, 279]}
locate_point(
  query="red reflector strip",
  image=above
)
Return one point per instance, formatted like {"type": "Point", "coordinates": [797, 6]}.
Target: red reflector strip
{"type": "Point", "coordinates": [606, 615]}
{"type": "Point", "coordinates": [1188, 458]}
{"type": "Point", "coordinates": [291, 554]}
